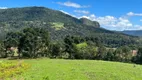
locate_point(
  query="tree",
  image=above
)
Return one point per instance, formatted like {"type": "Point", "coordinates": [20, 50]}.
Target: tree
{"type": "Point", "coordinates": [123, 54]}
{"type": "Point", "coordinates": [69, 46]}
{"type": "Point", "coordinates": [127, 55]}
{"type": "Point", "coordinates": [56, 50]}
{"type": "Point", "coordinates": [117, 54]}
{"type": "Point", "coordinates": [101, 52]}
{"type": "Point", "coordinates": [2, 50]}
{"type": "Point", "coordinates": [109, 55]}
{"type": "Point", "coordinates": [12, 40]}
{"type": "Point", "coordinates": [85, 51]}
{"type": "Point", "coordinates": [138, 58]}
{"type": "Point", "coordinates": [33, 42]}
{"type": "Point", "coordinates": [70, 42]}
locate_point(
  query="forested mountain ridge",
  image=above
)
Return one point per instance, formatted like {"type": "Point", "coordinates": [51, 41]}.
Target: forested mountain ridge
{"type": "Point", "coordinates": [133, 32]}
{"type": "Point", "coordinates": [33, 14]}
{"type": "Point", "coordinates": [16, 18]}
{"type": "Point", "coordinates": [59, 25]}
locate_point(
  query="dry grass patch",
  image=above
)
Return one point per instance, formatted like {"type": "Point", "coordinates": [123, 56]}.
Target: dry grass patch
{"type": "Point", "coordinates": [11, 69]}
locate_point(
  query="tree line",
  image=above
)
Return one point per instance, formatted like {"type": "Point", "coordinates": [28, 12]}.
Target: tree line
{"type": "Point", "coordinates": [35, 43]}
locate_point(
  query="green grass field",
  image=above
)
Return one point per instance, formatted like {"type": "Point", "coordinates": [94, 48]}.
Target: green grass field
{"type": "Point", "coordinates": [56, 69]}
{"type": "Point", "coordinates": [58, 25]}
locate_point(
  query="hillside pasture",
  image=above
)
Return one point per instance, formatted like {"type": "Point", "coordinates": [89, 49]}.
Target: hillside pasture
{"type": "Point", "coordinates": [57, 69]}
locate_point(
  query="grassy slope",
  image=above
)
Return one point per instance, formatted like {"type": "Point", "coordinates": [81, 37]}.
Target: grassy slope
{"type": "Point", "coordinates": [81, 70]}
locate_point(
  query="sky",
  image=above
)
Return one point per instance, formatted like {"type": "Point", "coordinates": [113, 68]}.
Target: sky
{"type": "Point", "coordinates": [111, 14]}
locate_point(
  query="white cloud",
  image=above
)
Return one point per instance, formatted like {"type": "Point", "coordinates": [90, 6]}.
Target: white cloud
{"type": "Point", "coordinates": [134, 14]}
{"type": "Point", "coordinates": [82, 11]}
{"type": "Point", "coordinates": [71, 4]}
{"type": "Point", "coordinates": [125, 23]}
{"type": "Point", "coordinates": [3, 7]}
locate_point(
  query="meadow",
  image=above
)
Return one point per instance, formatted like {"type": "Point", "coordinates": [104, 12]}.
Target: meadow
{"type": "Point", "coordinates": [59, 69]}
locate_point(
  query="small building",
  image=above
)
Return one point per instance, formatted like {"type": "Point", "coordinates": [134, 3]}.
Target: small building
{"type": "Point", "coordinates": [134, 52]}
{"type": "Point", "coordinates": [13, 50]}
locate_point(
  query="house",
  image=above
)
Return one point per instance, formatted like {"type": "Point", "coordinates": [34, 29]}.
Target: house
{"type": "Point", "coordinates": [14, 50]}
{"type": "Point", "coordinates": [134, 52]}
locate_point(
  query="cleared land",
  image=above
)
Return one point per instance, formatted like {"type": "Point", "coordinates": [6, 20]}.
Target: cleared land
{"type": "Point", "coordinates": [57, 69]}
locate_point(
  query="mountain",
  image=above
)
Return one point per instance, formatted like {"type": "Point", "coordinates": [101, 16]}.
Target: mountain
{"type": "Point", "coordinates": [59, 25]}
{"type": "Point", "coordinates": [14, 19]}
{"type": "Point", "coordinates": [133, 32]}
{"type": "Point", "coordinates": [89, 22]}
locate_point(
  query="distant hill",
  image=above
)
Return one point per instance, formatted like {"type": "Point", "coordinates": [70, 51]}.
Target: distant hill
{"type": "Point", "coordinates": [59, 25]}
{"type": "Point", "coordinates": [14, 19]}
{"type": "Point", "coordinates": [133, 32]}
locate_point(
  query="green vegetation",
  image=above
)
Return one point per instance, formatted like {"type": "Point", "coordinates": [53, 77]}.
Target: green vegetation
{"type": "Point", "coordinates": [138, 57]}
{"type": "Point", "coordinates": [12, 68]}
{"type": "Point", "coordinates": [35, 43]}
{"type": "Point", "coordinates": [58, 26]}
{"type": "Point", "coordinates": [31, 42]}
{"type": "Point", "coordinates": [81, 45]}
{"type": "Point", "coordinates": [48, 69]}
{"type": "Point", "coordinates": [37, 32]}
